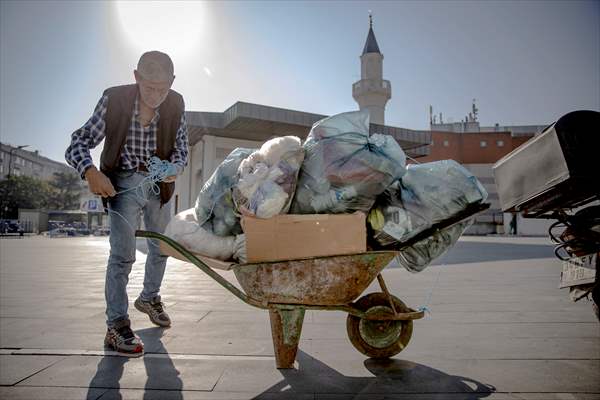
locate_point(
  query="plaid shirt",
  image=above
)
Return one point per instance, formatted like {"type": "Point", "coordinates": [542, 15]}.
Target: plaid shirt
{"type": "Point", "coordinates": [140, 144]}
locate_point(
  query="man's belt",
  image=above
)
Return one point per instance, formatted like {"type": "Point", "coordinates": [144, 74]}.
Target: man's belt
{"type": "Point", "coordinates": [139, 168]}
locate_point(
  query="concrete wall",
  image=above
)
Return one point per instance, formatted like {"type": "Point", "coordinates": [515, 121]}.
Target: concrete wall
{"type": "Point", "coordinates": [37, 218]}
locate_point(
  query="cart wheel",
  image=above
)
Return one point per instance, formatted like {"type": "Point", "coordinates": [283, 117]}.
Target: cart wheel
{"type": "Point", "coordinates": [378, 339]}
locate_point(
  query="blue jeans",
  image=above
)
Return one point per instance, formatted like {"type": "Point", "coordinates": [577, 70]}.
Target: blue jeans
{"type": "Point", "coordinates": [129, 206]}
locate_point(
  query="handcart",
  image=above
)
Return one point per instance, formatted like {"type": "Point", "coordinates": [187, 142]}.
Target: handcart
{"type": "Point", "coordinates": [379, 324]}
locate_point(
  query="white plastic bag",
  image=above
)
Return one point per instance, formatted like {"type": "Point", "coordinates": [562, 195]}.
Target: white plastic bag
{"type": "Point", "coordinates": [268, 177]}
{"type": "Point", "coordinates": [184, 228]}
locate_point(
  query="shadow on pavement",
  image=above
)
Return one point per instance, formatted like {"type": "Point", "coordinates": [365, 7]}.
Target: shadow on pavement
{"type": "Point", "coordinates": [391, 376]}
{"type": "Point", "coordinates": [108, 375]}
{"type": "Point", "coordinates": [161, 373]}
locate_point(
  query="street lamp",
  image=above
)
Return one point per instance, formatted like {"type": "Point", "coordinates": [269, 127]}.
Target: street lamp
{"type": "Point", "coordinates": [10, 156]}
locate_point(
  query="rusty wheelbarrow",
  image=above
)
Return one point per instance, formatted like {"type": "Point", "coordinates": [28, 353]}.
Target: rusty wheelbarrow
{"type": "Point", "coordinates": [379, 325]}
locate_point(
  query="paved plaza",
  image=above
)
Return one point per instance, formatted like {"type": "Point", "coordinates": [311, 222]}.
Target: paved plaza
{"type": "Point", "coordinates": [498, 329]}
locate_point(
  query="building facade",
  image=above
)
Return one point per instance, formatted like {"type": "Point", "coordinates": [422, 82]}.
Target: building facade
{"type": "Point", "coordinates": [477, 148]}
{"type": "Point", "coordinates": [17, 161]}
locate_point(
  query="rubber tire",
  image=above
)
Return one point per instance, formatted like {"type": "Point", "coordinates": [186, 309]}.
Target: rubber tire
{"type": "Point", "coordinates": [370, 301]}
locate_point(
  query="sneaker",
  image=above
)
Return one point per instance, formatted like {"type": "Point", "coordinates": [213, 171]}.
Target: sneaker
{"type": "Point", "coordinates": [121, 338]}
{"type": "Point", "coordinates": [155, 310]}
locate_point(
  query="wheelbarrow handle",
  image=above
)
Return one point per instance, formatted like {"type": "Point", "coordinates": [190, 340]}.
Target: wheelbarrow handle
{"type": "Point", "coordinates": [200, 264]}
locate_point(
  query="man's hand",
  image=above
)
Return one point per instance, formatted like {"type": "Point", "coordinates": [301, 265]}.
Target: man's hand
{"type": "Point", "coordinates": [99, 183]}
{"type": "Point", "coordinates": [171, 173]}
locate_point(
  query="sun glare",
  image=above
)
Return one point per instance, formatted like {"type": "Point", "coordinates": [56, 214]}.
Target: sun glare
{"type": "Point", "coordinates": [174, 27]}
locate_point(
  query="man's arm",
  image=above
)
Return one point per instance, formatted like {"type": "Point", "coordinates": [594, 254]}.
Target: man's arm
{"type": "Point", "coordinates": [179, 156]}
{"type": "Point", "coordinates": [78, 155]}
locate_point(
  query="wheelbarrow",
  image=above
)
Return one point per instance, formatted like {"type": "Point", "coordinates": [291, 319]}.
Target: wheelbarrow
{"type": "Point", "coordinates": [379, 325]}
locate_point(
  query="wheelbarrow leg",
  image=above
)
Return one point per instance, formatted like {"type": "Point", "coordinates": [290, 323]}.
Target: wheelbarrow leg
{"type": "Point", "coordinates": [286, 326]}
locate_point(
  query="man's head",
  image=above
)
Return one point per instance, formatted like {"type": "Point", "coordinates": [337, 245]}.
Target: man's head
{"type": "Point", "coordinates": [154, 76]}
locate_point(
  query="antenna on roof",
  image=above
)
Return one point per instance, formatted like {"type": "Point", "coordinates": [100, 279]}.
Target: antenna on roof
{"type": "Point", "coordinates": [370, 19]}
{"type": "Point", "coordinates": [475, 111]}
{"type": "Point", "coordinates": [430, 114]}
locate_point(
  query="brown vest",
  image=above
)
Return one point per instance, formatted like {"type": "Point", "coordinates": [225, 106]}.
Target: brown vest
{"type": "Point", "coordinates": [121, 101]}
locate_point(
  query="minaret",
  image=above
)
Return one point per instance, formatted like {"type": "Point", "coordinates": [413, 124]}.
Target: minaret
{"type": "Point", "coordinates": [372, 92]}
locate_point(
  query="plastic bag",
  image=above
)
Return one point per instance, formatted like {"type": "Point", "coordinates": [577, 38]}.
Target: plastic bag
{"type": "Point", "coordinates": [344, 169]}
{"type": "Point", "coordinates": [418, 256]}
{"type": "Point", "coordinates": [185, 229]}
{"type": "Point", "coordinates": [268, 177]}
{"type": "Point", "coordinates": [215, 209]}
{"type": "Point", "coordinates": [427, 194]}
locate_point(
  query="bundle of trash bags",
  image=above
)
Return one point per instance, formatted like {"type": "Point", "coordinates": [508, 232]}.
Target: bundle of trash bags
{"type": "Point", "coordinates": [339, 168]}
{"type": "Point", "coordinates": [345, 169]}
{"type": "Point", "coordinates": [427, 194]}
{"type": "Point", "coordinates": [258, 183]}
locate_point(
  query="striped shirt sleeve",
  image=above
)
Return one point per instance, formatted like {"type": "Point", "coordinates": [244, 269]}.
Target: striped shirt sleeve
{"type": "Point", "coordinates": [179, 156]}
{"type": "Point", "coordinates": [87, 137]}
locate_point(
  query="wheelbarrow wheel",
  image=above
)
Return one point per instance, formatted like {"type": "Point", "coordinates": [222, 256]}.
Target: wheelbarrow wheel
{"type": "Point", "coordinates": [379, 339]}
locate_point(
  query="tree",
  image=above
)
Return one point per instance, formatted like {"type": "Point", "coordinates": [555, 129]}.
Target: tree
{"type": "Point", "coordinates": [22, 192]}
{"type": "Point", "coordinates": [65, 189]}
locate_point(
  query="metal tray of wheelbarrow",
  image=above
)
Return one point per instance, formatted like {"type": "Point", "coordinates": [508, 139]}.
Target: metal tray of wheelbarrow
{"type": "Point", "coordinates": [332, 280]}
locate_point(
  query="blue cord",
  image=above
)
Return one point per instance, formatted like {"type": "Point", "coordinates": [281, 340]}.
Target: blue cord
{"type": "Point", "coordinates": [158, 170]}
{"type": "Point", "coordinates": [425, 308]}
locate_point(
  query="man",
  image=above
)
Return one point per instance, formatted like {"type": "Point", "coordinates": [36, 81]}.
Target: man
{"type": "Point", "coordinates": [513, 224]}
{"type": "Point", "coordinates": [136, 122]}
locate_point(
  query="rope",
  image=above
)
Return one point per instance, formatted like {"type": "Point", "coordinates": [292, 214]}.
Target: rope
{"type": "Point", "coordinates": [158, 170]}
{"type": "Point", "coordinates": [425, 307]}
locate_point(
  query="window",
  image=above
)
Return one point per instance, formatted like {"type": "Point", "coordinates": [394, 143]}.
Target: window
{"type": "Point", "coordinates": [446, 143]}
{"type": "Point", "coordinates": [483, 143]}
{"type": "Point", "coordinates": [500, 143]}
{"type": "Point", "coordinates": [1, 169]}
{"type": "Point", "coordinates": [432, 142]}
{"type": "Point", "coordinates": [17, 172]}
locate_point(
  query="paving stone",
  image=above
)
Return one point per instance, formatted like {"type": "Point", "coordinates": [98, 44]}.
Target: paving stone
{"type": "Point", "coordinates": [122, 372]}
{"type": "Point", "coordinates": [50, 393]}
{"type": "Point", "coordinates": [14, 369]}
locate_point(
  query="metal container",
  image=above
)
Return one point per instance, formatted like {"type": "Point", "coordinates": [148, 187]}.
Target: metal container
{"type": "Point", "coordinates": [556, 169]}
{"type": "Point", "coordinates": [335, 280]}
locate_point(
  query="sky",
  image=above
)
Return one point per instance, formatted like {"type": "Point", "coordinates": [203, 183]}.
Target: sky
{"type": "Point", "coordinates": [525, 62]}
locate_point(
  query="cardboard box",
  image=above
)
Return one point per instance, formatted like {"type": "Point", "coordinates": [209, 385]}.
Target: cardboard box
{"type": "Point", "coordinates": [289, 237]}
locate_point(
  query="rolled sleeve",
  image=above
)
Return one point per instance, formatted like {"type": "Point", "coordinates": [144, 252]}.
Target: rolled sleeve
{"type": "Point", "coordinates": [179, 156]}
{"type": "Point", "coordinates": [87, 137]}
